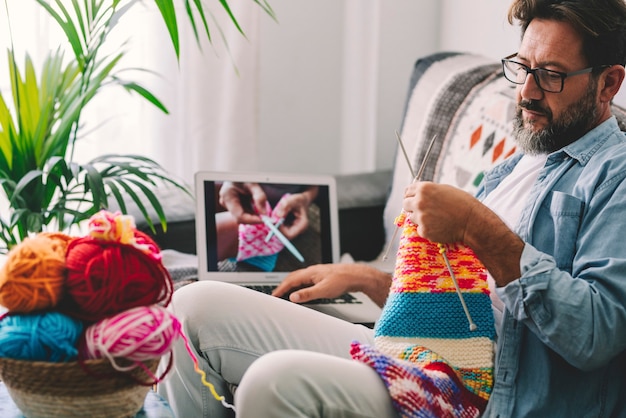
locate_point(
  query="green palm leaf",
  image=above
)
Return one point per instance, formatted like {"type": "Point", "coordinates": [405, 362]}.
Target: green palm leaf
{"type": "Point", "coordinates": [40, 122]}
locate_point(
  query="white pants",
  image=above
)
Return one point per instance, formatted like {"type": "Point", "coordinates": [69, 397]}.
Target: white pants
{"type": "Point", "coordinates": [285, 360]}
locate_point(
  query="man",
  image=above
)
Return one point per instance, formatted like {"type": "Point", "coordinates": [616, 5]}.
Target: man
{"type": "Point", "coordinates": [548, 224]}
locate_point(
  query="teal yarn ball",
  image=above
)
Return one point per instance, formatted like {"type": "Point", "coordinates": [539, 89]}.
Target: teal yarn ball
{"type": "Point", "coordinates": [48, 336]}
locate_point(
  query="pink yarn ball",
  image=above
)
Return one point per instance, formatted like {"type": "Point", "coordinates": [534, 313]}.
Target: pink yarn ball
{"type": "Point", "coordinates": [138, 334]}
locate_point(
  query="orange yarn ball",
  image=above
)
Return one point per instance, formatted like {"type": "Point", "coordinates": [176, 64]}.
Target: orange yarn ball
{"type": "Point", "coordinates": [33, 275]}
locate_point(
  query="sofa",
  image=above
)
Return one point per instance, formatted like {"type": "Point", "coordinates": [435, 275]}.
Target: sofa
{"type": "Point", "coordinates": [460, 99]}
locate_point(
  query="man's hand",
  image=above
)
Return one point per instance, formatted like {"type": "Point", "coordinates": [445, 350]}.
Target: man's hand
{"type": "Point", "coordinates": [445, 214]}
{"type": "Point", "coordinates": [333, 280]}
{"type": "Point", "coordinates": [245, 201]}
{"type": "Point", "coordinates": [441, 212]}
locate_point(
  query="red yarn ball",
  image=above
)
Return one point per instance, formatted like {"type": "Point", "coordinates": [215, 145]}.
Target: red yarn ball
{"type": "Point", "coordinates": [105, 278]}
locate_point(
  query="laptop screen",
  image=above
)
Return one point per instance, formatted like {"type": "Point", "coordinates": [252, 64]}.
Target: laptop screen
{"type": "Point", "coordinates": [265, 246]}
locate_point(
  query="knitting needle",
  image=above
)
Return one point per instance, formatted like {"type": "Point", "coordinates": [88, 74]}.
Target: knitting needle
{"type": "Point", "coordinates": [472, 324]}
{"type": "Point", "coordinates": [282, 238]}
{"type": "Point", "coordinates": [416, 177]}
{"type": "Point", "coordinates": [406, 156]}
{"type": "Point", "coordinates": [442, 249]}
{"type": "Point", "coordinates": [271, 233]}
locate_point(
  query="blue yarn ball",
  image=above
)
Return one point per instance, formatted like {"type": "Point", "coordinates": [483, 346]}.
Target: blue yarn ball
{"type": "Point", "coordinates": [49, 336]}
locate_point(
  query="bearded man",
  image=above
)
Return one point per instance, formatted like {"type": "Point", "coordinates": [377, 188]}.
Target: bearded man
{"type": "Point", "coordinates": [548, 224]}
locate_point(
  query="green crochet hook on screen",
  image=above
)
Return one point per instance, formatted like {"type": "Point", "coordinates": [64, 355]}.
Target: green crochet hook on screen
{"type": "Point", "coordinates": [274, 229]}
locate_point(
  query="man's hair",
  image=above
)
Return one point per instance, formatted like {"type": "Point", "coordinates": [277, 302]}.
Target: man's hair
{"type": "Point", "coordinates": [601, 23]}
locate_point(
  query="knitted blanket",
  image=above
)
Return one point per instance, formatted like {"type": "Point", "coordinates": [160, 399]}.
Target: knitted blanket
{"type": "Point", "coordinates": [432, 363]}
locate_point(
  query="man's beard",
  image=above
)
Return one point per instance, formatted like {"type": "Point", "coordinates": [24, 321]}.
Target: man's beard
{"type": "Point", "coordinates": [575, 121]}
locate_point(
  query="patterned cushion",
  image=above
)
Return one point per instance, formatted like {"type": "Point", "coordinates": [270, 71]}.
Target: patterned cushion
{"type": "Point", "coordinates": [479, 136]}
{"type": "Point", "coordinates": [468, 105]}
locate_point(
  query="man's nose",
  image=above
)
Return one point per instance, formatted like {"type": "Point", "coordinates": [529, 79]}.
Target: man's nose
{"type": "Point", "coordinates": [530, 90]}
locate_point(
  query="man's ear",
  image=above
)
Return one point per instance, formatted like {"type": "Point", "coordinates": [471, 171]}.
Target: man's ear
{"type": "Point", "coordinates": [610, 81]}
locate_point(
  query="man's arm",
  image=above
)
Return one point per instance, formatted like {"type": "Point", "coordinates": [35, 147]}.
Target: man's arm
{"type": "Point", "coordinates": [495, 245]}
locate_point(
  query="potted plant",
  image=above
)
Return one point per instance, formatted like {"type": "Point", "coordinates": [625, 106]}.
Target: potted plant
{"type": "Point", "coordinates": [40, 124]}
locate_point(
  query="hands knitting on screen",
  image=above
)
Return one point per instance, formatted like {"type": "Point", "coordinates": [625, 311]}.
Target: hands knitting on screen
{"type": "Point", "coordinates": [245, 201]}
{"type": "Point", "coordinates": [294, 208]}
{"type": "Point", "coordinates": [248, 201]}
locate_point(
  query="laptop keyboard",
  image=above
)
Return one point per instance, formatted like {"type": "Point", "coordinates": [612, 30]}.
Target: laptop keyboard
{"type": "Point", "coordinates": [343, 299]}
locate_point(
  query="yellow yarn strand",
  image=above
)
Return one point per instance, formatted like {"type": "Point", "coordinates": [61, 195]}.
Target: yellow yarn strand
{"type": "Point", "coordinates": [202, 374]}
{"type": "Point", "coordinates": [211, 387]}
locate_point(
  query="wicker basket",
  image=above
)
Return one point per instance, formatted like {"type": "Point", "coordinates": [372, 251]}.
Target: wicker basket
{"type": "Point", "coordinates": [44, 389]}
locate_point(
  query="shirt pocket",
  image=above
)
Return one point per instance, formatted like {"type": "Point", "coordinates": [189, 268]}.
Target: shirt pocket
{"type": "Point", "coordinates": [565, 212]}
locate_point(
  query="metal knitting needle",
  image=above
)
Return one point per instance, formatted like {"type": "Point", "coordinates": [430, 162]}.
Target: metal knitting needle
{"type": "Point", "coordinates": [442, 248]}
{"type": "Point", "coordinates": [416, 177]}
{"type": "Point", "coordinates": [406, 156]}
{"type": "Point", "coordinates": [472, 324]}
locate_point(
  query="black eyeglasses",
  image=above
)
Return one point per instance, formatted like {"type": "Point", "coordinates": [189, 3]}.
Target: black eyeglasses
{"type": "Point", "coordinates": [547, 80]}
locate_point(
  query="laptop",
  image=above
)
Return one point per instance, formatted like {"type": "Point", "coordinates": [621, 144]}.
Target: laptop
{"type": "Point", "coordinates": [259, 255]}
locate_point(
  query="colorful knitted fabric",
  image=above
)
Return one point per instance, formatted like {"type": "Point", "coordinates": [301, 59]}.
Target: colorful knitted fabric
{"type": "Point", "coordinates": [429, 389]}
{"type": "Point", "coordinates": [253, 246]}
{"type": "Point", "coordinates": [430, 360]}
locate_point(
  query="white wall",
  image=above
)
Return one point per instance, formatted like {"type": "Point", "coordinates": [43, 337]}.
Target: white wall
{"type": "Point", "coordinates": [478, 26]}
{"type": "Point", "coordinates": [334, 76]}
{"type": "Point", "coordinates": [409, 30]}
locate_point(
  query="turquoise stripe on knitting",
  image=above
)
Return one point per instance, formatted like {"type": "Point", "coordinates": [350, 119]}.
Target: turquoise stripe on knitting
{"type": "Point", "coordinates": [435, 315]}
{"type": "Point", "coordinates": [264, 262]}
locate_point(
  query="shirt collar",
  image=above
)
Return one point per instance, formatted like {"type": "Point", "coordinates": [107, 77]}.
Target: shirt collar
{"type": "Point", "coordinates": [586, 146]}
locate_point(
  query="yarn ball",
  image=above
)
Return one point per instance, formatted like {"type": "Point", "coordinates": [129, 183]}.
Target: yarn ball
{"type": "Point", "coordinates": [116, 227]}
{"type": "Point", "coordinates": [105, 278]}
{"type": "Point", "coordinates": [111, 226]}
{"type": "Point", "coordinates": [34, 272]}
{"type": "Point", "coordinates": [138, 334]}
{"type": "Point", "coordinates": [48, 336]}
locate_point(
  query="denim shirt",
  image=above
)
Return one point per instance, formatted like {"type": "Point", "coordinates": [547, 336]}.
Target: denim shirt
{"type": "Point", "coordinates": [561, 349]}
